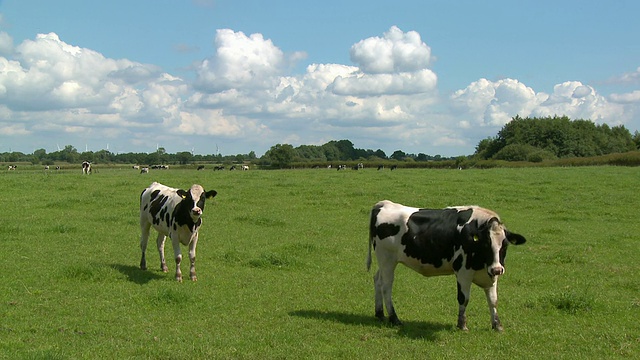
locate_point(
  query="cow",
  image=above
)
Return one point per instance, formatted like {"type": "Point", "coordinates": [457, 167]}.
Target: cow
{"type": "Point", "coordinates": [175, 213]}
{"type": "Point", "coordinates": [12, 167]}
{"type": "Point", "coordinates": [468, 241]}
{"type": "Point", "coordinates": [393, 167]}
{"type": "Point", "coordinates": [201, 167]}
{"type": "Point", "coordinates": [86, 167]}
{"type": "Point", "coordinates": [216, 168]}
{"type": "Point", "coordinates": [245, 167]}
{"type": "Point", "coordinates": [144, 170]}
{"type": "Point", "coordinates": [380, 167]}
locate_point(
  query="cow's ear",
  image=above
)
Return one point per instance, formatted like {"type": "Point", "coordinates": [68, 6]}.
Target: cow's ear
{"type": "Point", "coordinates": [211, 193]}
{"type": "Point", "coordinates": [182, 193]}
{"type": "Point", "coordinates": [515, 239]}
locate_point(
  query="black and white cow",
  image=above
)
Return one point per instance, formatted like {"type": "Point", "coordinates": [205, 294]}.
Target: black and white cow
{"type": "Point", "coordinates": [86, 167]}
{"type": "Point", "coordinates": [468, 241]}
{"type": "Point", "coordinates": [175, 213]}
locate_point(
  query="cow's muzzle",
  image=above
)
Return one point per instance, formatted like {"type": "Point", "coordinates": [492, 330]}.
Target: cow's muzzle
{"type": "Point", "coordinates": [196, 211]}
{"type": "Point", "coordinates": [496, 271]}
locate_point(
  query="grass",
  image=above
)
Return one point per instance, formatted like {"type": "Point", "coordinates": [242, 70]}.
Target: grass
{"type": "Point", "coordinates": [281, 267]}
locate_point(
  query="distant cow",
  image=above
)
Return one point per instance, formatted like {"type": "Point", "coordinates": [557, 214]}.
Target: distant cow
{"type": "Point", "coordinates": [245, 167]}
{"type": "Point", "coordinates": [393, 167]}
{"type": "Point", "coordinates": [144, 170]}
{"type": "Point", "coordinates": [175, 213]}
{"type": "Point", "coordinates": [216, 168]}
{"type": "Point", "coordinates": [86, 167]}
{"type": "Point", "coordinates": [201, 167]}
{"type": "Point", "coordinates": [380, 167]}
{"type": "Point", "coordinates": [468, 241]}
{"type": "Point", "coordinates": [12, 167]}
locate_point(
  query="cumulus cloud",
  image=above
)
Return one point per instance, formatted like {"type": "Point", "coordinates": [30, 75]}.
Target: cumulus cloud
{"type": "Point", "coordinates": [240, 61]}
{"type": "Point", "coordinates": [385, 84]}
{"type": "Point", "coordinates": [244, 90]}
{"type": "Point", "coordinates": [53, 86]}
{"type": "Point", "coordinates": [395, 52]}
{"type": "Point", "coordinates": [489, 103]}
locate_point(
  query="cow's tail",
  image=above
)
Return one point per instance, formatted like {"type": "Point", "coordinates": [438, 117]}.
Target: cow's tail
{"type": "Point", "coordinates": [369, 256]}
{"type": "Point", "coordinates": [372, 232]}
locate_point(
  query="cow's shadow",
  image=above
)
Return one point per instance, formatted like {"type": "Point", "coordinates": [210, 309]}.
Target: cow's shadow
{"type": "Point", "coordinates": [411, 329]}
{"type": "Point", "coordinates": [137, 275]}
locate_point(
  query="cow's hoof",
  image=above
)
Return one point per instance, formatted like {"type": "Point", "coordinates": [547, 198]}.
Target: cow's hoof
{"type": "Point", "coordinates": [194, 278]}
{"type": "Point", "coordinates": [395, 321]}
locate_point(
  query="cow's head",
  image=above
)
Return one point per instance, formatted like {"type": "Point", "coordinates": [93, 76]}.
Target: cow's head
{"type": "Point", "coordinates": [194, 199]}
{"type": "Point", "coordinates": [494, 238]}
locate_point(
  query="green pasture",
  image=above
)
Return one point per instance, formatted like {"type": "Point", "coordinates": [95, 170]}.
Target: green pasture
{"type": "Point", "coordinates": [281, 267]}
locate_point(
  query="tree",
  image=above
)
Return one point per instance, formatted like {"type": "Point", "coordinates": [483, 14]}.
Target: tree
{"type": "Point", "coordinates": [398, 155]}
{"type": "Point", "coordinates": [281, 155]}
{"type": "Point", "coordinates": [184, 157]}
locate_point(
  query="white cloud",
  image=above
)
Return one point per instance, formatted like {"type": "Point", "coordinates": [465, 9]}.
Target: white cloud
{"type": "Point", "coordinates": [629, 78]}
{"type": "Point", "coordinates": [632, 97]}
{"type": "Point", "coordinates": [245, 94]}
{"type": "Point", "coordinates": [240, 61]}
{"type": "Point", "coordinates": [579, 101]}
{"type": "Point", "coordinates": [488, 103]}
{"type": "Point", "coordinates": [6, 43]}
{"type": "Point", "coordinates": [395, 52]}
{"type": "Point", "coordinates": [385, 84]}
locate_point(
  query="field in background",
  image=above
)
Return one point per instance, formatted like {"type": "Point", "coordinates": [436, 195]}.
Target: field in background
{"type": "Point", "coordinates": [281, 267]}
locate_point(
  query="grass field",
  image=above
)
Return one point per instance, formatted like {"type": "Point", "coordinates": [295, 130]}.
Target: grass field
{"type": "Point", "coordinates": [281, 267]}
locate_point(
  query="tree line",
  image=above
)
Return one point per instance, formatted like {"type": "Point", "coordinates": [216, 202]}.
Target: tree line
{"type": "Point", "coordinates": [557, 137]}
{"type": "Point", "coordinates": [522, 139]}
{"type": "Point", "coordinates": [71, 155]}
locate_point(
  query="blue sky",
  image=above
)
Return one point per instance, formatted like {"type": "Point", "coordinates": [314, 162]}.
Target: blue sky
{"type": "Point", "coordinates": [430, 77]}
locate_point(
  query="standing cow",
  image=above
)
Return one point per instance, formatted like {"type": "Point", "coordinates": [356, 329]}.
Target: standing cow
{"type": "Point", "coordinates": [86, 167]}
{"type": "Point", "coordinates": [468, 241]}
{"type": "Point", "coordinates": [175, 213]}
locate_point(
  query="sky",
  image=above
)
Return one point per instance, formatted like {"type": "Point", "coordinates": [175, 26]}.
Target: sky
{"type": "Point", "coordinates": [232, 76]}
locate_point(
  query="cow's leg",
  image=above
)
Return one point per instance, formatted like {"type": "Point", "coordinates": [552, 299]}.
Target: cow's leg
{"type": "Point", "coordinates": [192, 257]}
{"type": "Point", "coordinates": [464, 291]}
{"type": "Point", "coordinates": [385, 274]}
{"type": "Point", "coordinates": [145, 227]}
{"type": "Point", "coordinates": [178, 256]}
{"type": "Point", "coordinates": [377, 285]}
{"type": "Point", "coordinates": [160, 243]}
{"type": "Point", "coordinates": [492, 300]}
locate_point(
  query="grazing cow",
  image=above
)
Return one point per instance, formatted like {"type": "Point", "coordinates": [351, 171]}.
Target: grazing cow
{"type": "Point", "coordinates": [144, 170]}
{"type": "Point", "coordinates": [380, 167]}
{"type": "Point", "coordinates": [201, 167]}
{"type": "Point", "coordinates": [175, 213]}
{"type": "Point", "coordinates": [12, 167]}
{"type": "Point", "coordinates": [245, 167]}
{"type": "Point", "coordinates": [136, 167]}
{"type": "Point", "coordinates": [233, 167]}
{"type": "Point", "coordinates": [86, 167]}
{"type": "Point", "coordinates": [393, 167]}
{"type": "Point", "coordinates": [468, 241]}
